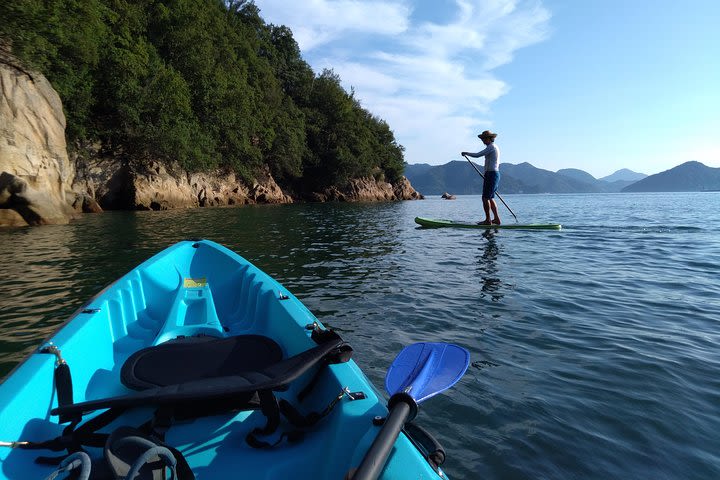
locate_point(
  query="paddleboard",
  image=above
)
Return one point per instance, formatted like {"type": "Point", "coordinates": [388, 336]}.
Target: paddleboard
{"type": "Point", "coordinates": [439, 223]}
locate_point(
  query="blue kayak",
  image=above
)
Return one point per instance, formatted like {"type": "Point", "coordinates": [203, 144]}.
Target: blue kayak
{"type": "Point", "coordinates": [196, 364]}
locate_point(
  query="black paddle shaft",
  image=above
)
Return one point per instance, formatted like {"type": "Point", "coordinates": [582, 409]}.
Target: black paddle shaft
{"type": "Point", "coordinates": [376, 457]}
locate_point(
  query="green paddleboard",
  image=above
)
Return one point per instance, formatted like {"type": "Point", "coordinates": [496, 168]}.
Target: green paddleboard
{"type": "Point", "coordinates": [439, 223]}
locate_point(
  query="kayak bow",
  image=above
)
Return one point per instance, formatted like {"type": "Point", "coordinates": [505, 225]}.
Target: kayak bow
{"type": "Point", "coordinates": [199, 362]}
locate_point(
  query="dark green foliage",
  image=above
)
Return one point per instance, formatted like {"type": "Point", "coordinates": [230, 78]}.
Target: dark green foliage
{"type": "Point", "coordinates": [207, 83]}
{"type": "Point", "coordinates": [63, 39]}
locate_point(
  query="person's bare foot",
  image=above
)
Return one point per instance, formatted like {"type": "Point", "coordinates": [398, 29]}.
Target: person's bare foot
{"type": "Point", "coordinates": [484, 222]}
{"type": "Point", "coordinates": [496, 221]}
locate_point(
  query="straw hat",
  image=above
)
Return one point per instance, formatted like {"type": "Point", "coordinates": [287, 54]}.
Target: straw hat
{"type": "Point", "coordinates": [487, 134]}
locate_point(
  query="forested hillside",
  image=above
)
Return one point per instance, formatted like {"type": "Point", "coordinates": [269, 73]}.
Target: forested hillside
{"type": "Point", "coordinates": [204, 82]}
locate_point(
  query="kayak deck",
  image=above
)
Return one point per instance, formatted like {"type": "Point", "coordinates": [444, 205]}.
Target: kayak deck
{"type": "Point", "coordinates": [199, 289]}
{"type": "Point", "coordinates": [443, 223]}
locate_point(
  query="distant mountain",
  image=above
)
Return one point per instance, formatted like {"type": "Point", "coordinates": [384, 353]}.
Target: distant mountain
{"type": "Point", "coordinates": [545, 181]}
{"type": "Point", "coordinates": [624, 175]}
{"type": "Point", "coordinates": [452, 177]}
{"type": "Point", "coordinates": [688, 177]}
{"type": "Point", "coordinates": [457, 177]}
{"type": "Point", "coordinates": [617, 185]}
{"type": "Point", "coordinates": [577, 174]}
{"type": "Point", "coordinates": [612, 183]}
{"type": "Point", "coordinates": [417, 168]}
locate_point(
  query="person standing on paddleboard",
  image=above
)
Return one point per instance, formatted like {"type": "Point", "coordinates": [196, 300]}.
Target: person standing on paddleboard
{"type": "Point", "coordinates": [492, 175]}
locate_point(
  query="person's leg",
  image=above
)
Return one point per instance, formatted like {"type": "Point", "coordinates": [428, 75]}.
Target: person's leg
{"type": "Point", "coordinates": [486, 194]}
{"type": "Point", "coordinates": [486, 208]}
{"type": "Point", "coordinates": [493, 206]}
{"type": "Point", "coordinates": [489, 190]}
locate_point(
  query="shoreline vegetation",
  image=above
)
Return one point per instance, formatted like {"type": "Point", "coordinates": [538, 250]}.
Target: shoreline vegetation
{"type": "Point", "coordinates": [200, 97]}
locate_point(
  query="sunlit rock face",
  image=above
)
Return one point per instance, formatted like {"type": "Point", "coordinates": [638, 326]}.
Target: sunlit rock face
{"type": "Point", "coordinates": [35, 172]}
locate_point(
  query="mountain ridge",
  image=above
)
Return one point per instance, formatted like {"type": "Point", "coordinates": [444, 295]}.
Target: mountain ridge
{"type": "Point", "coordinates": [454, 177]}
{"type": "Point", "coordinates": [691, 176]}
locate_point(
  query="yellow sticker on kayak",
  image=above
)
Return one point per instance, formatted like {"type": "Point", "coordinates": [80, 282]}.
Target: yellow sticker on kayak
{"type": "Point", "coordinates": [195, 282]}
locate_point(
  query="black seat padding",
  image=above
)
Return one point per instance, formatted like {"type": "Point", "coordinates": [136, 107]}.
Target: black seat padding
{"type": "Point", "coordinates": [274, 377]}
{"type": "Point", "coordinates": [194, 358]}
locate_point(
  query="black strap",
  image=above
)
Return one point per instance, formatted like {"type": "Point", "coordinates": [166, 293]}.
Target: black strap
{"type": "Point", "coordinates": [184, 471]}
{"type": "Point", "coordinates": [64, 389]}
{"type": "Point", "coordinates": [73, 439]}
{"type": "Point", "coordinates": [86, 434]}
{"type": "Point", "coordinates": [311, 384]}
{"type": "Point", "coordinates": [323, 336]}
{"type": "Point", "coordinates": [296, 418]}
{"type": "Point", "coordinates": [62, 380]}
{"type": "Point", "coordinates": [161, 422]}
{"type": "Point", "coordinates": [63, 442]}
{"type": "Point", "coordinates": [272, 408]}
{"type": "Point", "coordinates": [292, 436]}
{"type": "Point", "coordinates": [303, 421]}
{"type": "Point", "coordinates": [269, 407]}
{"type": "Point", "coordinates": [341, 354]}
{"type": "Point", "coordinates": [66, 441]}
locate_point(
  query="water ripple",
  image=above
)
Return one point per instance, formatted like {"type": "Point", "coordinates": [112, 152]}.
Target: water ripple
{"type": "Point", "coordinates": [594, 349]}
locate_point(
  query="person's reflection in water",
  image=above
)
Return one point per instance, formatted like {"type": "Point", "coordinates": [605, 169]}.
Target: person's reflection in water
{"type": "Point", "coordinates": [488, 267]}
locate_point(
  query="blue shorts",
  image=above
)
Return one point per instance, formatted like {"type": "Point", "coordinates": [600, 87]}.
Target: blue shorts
{"type": "Point", "coordinates": [490, 185]}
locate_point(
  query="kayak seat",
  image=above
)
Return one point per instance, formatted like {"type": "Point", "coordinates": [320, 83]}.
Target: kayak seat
{"type": "Point", "coordinates": [193, 377]}
{"type": "Point", "coordinates": [188, 359]}
{"type": "Point", "coordinates": [222, 382]}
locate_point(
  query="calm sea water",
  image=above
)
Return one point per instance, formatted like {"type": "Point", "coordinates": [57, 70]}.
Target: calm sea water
{"type": "Point", "coordinates": [594, 349]}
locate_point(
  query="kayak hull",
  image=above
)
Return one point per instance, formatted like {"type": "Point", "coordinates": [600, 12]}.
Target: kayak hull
{"type": "Point", "coordinates": [200, 288]}
{"type": "Point", "coordinates": [443, 223]}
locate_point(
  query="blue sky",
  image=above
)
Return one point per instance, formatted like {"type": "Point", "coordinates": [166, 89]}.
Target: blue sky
{"type": "Point", "coordinates": [589, 84]}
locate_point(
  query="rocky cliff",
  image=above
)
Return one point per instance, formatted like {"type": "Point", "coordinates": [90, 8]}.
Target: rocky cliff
{"type": "Point", "coordinates": [40, 183]}
{"type": "Point", "coordinates": [35, 171]}
{"type": "Point", "coordinates": [130, 184]}
{"type": "Point", "coordinates": [368, 190]}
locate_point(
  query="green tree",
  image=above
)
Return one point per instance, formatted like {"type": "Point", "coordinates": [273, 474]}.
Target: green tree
{"type": "Point", "coordinates": [63, 39]}
{"type": "Point", "coordinates": [206, 83]}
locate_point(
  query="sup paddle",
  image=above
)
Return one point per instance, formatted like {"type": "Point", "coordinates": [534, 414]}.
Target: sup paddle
{"type": "Point", "coordinates": [496, 193]}
{"type": "Point", "coordinates": [419, 372]}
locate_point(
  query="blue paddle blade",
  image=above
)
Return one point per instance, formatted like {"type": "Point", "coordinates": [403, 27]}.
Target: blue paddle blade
{"type": "Point", "coordinates": [426, 369]}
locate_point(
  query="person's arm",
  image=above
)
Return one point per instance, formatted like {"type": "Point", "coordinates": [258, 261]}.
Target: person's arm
{"type": "Point", "coordinates": [481, 153]}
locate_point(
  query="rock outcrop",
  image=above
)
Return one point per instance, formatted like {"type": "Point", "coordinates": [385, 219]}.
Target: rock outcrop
{"type": "Point", "coordinates": [35, 171]}
{"type": "Point", "coordinates": [368, 190]}
{"type": "Point", "coordinates": [404, 191]}
{"type": "Point", "coordinates": [133, 185]}
{"type": "Point", "coordinates": [153, 185]}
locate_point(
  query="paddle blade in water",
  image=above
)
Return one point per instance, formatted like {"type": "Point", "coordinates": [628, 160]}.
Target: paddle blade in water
{"type": "Point", "coordinates": [426, 369]}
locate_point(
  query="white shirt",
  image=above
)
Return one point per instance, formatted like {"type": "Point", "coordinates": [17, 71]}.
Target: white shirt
{"type": "Point", "coordinates": [492, 155]}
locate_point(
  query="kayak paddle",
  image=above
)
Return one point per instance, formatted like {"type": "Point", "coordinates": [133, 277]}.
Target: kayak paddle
{"type": "Point", "coordinates": [496, 193]}
{"type": "Point", "coordinates": [419, 372]}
